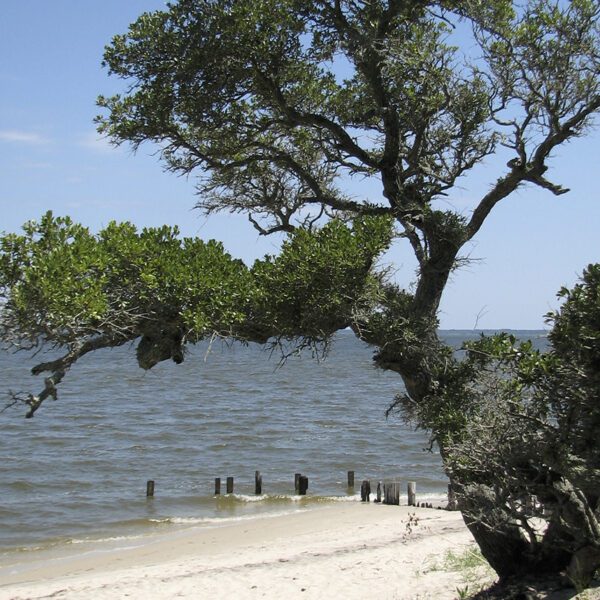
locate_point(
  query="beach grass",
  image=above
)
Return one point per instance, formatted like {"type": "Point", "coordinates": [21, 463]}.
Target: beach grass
{"type": "Point", "coordinates": [474, 570]}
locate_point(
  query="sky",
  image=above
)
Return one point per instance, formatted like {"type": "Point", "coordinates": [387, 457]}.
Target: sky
{"type": "Point", "coordinates": [51, 158]}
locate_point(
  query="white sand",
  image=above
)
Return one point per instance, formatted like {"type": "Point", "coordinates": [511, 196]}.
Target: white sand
{"type": "Point", "coordinates": [341, 551]}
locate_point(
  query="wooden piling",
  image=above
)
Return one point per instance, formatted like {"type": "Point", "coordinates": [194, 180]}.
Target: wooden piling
{"type": "Point", "coordinates": [412, 493]}
{"type": "Point", "coordinates": [365, 491]}
{"type": "Point", "coordinates": [217, 486]}
{"type": "Point", "coordinates": [257, 483]}
{"type": "Point", "coordinates": [391, 493]}
{"type": "Point", "coordinates": [149, 488]}
{"type": "Point", "coordinates": [297, 482]}
{"type": "Point", "coordinates": [351, 479]}
{"type": "Point", "coordinates": [302, 485]}
{"type": "Point", "coordinates": [378, 499]}
{"type": "Point", "coordinates": [230, 485]}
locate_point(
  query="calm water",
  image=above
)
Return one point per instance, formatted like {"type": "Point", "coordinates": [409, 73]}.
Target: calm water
{"type": "Point", "coordinates": [78, 470]}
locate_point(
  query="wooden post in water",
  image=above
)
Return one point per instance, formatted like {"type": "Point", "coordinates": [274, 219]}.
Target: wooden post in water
{"type": "Point", "coordinates": [230, 485]}
{"type": "Point", "coordinates": [302, 485]}
{"type": "Point", "coordinates": [149, 489]}
{"type": "Point", "coordinates": [365, 491]}
{"type": "Point", "coordinates": [378, 499]}
{"type": "Point", "coordinates": [351, 479]}
{"type": "Point", "coordinates": [217, 486]}
{"type": "Point", "coordinates": [391, 493]}
{"type": "Point", "coordinates": [412, 493]}
{"type": "Point", "coordinates": [257, 483]}
{"type": "Point", "coordinates": [297, 482]}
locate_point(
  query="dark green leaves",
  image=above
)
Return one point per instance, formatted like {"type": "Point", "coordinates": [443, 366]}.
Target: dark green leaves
{"type": "Point", "coordinates": [318, 282]}
{"type": "Point", "coordinates": [62, 285]}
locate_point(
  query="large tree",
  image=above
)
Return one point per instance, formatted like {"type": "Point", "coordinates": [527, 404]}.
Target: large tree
{"type": "Point", "coordinates": [278, 106]}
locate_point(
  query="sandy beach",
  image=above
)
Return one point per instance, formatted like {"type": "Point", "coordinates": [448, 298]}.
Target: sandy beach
{"type": "Point", "coordinates": [351, 550]}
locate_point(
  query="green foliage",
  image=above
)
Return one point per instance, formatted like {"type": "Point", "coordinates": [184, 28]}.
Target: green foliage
{"type": "Point", "coordinates": [52, 273]}
{"type": "Point", "coordinates": [310, 288]}
{"type": "Point", "coordinates": [474, 570]}
{"type": "Point", "coordinates": [251, 93]}
{"type": "Point", "coordinates": [63, 285]}
{"type": "Point", "coordinates": [531, 429]}
{"type": "Point", "coordinates": [576, 327]}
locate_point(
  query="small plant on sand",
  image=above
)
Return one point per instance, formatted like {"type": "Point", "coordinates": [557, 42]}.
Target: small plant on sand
{"type": "Point", "coordinates": [412, 523]}
{"type": "Point", "coordinates": [468, 560]}
{"type": "Point", "coordinates": [472, 567]}
{"type": "Point", "coordinates": [463, 593]}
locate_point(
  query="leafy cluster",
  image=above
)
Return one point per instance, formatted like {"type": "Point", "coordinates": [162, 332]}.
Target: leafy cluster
{"type": "Point", "coordinates": [62, 283]}
{"type": "Point", "coordinates": [321, 280]}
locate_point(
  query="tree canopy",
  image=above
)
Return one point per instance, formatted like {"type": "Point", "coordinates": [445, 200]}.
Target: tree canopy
{"type": "Point", "coordinates": [278, 108]}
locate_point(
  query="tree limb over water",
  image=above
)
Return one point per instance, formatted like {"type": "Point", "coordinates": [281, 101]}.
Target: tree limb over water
{"type": "Point", "coordinates": [67, 289]}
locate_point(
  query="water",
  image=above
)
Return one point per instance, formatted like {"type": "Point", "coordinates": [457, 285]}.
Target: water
{"type": "Point", "coordinates": [78, 470]}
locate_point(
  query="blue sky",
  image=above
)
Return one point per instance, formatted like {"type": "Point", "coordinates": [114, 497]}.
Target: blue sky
{"type": "Point", "coordinates": [52, 158]}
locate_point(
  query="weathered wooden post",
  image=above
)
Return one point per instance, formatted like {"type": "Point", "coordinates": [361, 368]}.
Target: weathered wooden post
{"type": "Point", "coordinates": [257, 483]}
{"type": "Point", "coordinates": [378, 499]}
{"type": "Point", "coordinates": [351, 479]}
{"type": "Point", "coordinates": [365, 491]}
{"type": "Point", "coordinates": [217, 486]}
{"type": "Point", "coordinates": [412, 493]}
{"type": "Point", "coordinates": [297, 482]}
{"type": "Point", "coordinates": [149, 488]}
{"type": "Point", "coordinates": [391, 493]}
{"type": "Point", "coordinates": [302, 485]}
{"type": "Point", "coordinates": [230, 485]}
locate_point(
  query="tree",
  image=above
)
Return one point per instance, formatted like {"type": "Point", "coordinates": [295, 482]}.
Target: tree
{"type": "Point", "coordinates": [275, 105]}
{"type": "Point", "coordinates": [527, 453]}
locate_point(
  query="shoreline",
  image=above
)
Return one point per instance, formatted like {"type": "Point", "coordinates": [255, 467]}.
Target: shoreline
{"type": "Point", "coordinates": [155, 516]}
{"type": "Point", "coordinates": [349, 549]}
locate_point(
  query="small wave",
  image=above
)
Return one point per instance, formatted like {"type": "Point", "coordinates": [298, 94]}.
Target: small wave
{"type": "Point", "coordinates": [270, 499]}
{"type": "Point", "coordinates": [116, 538]}
{"type": "Point", "coordinates": [217, 521]}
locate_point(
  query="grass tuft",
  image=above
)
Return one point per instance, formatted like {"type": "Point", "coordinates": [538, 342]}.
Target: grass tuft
{"type": "Point", "coordinates": [474, 570]}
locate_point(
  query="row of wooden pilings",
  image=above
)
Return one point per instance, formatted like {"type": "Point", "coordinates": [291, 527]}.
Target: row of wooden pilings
{"type": "Point", "coordinates": [387, 493]}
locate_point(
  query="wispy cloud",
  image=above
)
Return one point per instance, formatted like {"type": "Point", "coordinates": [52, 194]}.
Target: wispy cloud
{"type": "Point", "coordinates": [22, 137]}
{"type": "Point", "coordinates": [36, 165]}
{"type": "Point", "coordinates": [97, 143]}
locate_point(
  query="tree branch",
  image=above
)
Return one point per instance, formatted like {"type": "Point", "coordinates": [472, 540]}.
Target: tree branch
{"type": "Point", "coordinates": [60, 366]}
